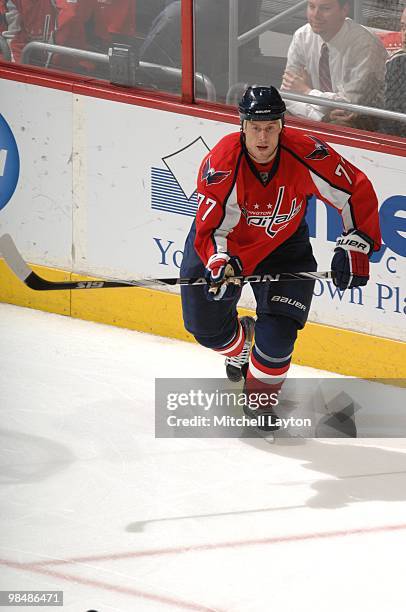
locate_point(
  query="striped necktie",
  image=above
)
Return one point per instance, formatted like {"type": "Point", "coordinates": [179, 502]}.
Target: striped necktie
{"type": "Point", "coordinates": [324, 69]}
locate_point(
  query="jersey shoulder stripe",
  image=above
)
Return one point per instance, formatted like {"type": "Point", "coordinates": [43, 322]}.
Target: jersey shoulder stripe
{"type": "Point", "coordinates": [316, 155]}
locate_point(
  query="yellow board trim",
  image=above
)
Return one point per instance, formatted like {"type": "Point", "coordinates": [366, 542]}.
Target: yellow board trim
{"type": "Point", "coordinates": [158, 312]}
{"type": "Point", "coordinates": [13, 291]}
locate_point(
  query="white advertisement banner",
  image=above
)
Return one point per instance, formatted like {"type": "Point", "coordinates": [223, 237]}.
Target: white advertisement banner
{"type": "Point", "coordinates": [107, 188]}
{"type": "Point", "coordinates": [36, 171]}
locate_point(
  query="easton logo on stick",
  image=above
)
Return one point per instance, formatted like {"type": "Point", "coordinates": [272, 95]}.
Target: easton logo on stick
{"type": "Point", "coordinates": [17, 264]}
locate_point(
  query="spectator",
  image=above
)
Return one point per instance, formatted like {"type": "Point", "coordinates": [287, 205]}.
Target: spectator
{"type": "Point", "coordinates": [3, 10]}
{"type": "Point", "coordinates": [108, 21]}
{"type": "Point", "coordinates": [2, 16]}
{"type": "Point", "coordinates": [81, 24]}
{"type": "Point", "coordinates": [335, 58]}
{"type": "Point", "coordinates": [163, 42]}
{"type": "Point", "coordinates": [4, 48]}
{"type": "Point", "coordinates": [395, 84]}
{"type": "Point", "coordinates": [147, 11]}
{"type": "Point", "coordinates": [49, 21]}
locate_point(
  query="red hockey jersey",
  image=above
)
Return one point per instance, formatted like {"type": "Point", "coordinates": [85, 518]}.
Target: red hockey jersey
{"type": "Point", "coordinates": [50, 21]}
{"type": "Point", "coordinates": [249, 212]}
{"type": "Point", "coordinates": [82, 24]}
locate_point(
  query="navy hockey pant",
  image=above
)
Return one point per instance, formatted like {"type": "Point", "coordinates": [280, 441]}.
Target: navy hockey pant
{"type": "Point", "coordinates": [282, 307]}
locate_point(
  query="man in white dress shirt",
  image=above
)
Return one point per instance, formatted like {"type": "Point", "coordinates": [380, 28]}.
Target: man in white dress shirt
{"type": "Point", "coordinates": [335, 58]}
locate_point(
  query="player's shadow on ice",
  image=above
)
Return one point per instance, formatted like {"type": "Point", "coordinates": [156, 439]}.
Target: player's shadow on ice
{"type": "Point", "coordinates": [25, 458]}
{"type": "Point", "coordinates": [341, 473]}
{"type": "Point", "coordinates": [352, 471]}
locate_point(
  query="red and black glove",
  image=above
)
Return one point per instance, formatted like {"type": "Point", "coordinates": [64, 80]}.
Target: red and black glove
{"type": "Point", "coordinates": [350, 263]}
{"type": "Point", "coordinates": [219, 273]}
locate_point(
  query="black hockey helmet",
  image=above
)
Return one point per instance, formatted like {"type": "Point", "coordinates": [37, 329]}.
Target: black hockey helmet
{"type": "Point", "coordinates": [261, 104]}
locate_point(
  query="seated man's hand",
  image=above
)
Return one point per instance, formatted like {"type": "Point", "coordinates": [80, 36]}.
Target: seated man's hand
{"type": "Point", "coordinates": [219, 273]}
{"type": "Point", "coordinates": [341, 117]}
{"type": "Point", "coordinates": [297, 82]}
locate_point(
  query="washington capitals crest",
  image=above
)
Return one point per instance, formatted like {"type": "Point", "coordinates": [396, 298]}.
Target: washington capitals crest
{"type": "Point", "coordinates": [212, 176]}
{"type": "Point", "coordinates": [320, 151]}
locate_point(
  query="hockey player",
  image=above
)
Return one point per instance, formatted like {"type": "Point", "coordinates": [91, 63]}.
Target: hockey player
{"type": "Point", "coordinates": [253, 189]}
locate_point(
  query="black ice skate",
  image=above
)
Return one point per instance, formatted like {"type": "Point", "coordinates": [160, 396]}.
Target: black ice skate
{"type": "Point", "coordinates": [266, 419]}
{"type": "Point", "coordinates": [236, 367]}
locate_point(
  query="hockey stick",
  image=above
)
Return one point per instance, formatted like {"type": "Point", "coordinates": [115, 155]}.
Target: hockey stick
{"type": "Point", "coordinates": [21, 269]}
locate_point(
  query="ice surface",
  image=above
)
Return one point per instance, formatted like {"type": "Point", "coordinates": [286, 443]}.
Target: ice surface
{"type": "Point", "coordinates": [92, 504]}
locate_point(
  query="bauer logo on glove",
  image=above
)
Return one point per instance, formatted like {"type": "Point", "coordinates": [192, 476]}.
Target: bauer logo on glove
{"type": "Point", "coordinates": [350, 264]}
{"type": "Point", "coordinates": [220, 273]}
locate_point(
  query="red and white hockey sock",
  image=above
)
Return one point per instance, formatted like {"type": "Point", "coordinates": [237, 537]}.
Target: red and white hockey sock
{"type": "Point", "coordinates": [235, 345]}
{"type": "Point", "coordinates": [266, 374]}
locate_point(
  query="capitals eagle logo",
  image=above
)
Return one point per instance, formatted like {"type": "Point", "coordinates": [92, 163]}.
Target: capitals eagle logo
{"type": "Point", "coordinates": [212, 176]}
{"type": "Point", "coordinates": [320, 151]}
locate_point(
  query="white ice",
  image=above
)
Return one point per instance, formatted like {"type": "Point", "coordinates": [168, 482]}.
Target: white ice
{"type": "Point", "coordinates": [94, 505]}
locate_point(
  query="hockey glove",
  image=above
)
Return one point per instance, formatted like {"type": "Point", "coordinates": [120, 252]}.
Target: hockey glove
{"type": "Point", "coordinates": [219, 273]}
{"type": "Point", "coordinates": [350, 264]}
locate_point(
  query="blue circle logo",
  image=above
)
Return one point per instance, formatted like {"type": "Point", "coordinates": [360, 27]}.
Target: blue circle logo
{"type": "Point", "coordinates": [9, 163]}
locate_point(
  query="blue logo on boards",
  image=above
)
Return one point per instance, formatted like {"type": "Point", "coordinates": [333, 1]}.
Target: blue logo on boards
{"type": "Point", "coordinates": [9, 163]}
{"type": "Point", "coordinates": [392, 221]}
{"type": "Point", "coordinates": [173, 189]}
{"type": "Point", "coordinates": [167, 194]}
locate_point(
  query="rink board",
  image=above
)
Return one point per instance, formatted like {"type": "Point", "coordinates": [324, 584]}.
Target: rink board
{"type": "Point", "coordinates": [156, 312]}
{"type": "Point", "coordinates": [98, 193]}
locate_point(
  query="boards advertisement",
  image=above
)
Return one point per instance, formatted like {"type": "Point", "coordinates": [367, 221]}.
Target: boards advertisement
{"type": "Point", "coordinates": [105, 188]}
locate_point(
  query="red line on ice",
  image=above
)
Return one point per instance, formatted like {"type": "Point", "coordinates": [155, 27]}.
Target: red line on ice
{"type": "Point", "coordinates": [40, 567]}
{"type": "Point", "coordinates": [171, 601]}
{"type": "Point", "coordinates": [220, 545]}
